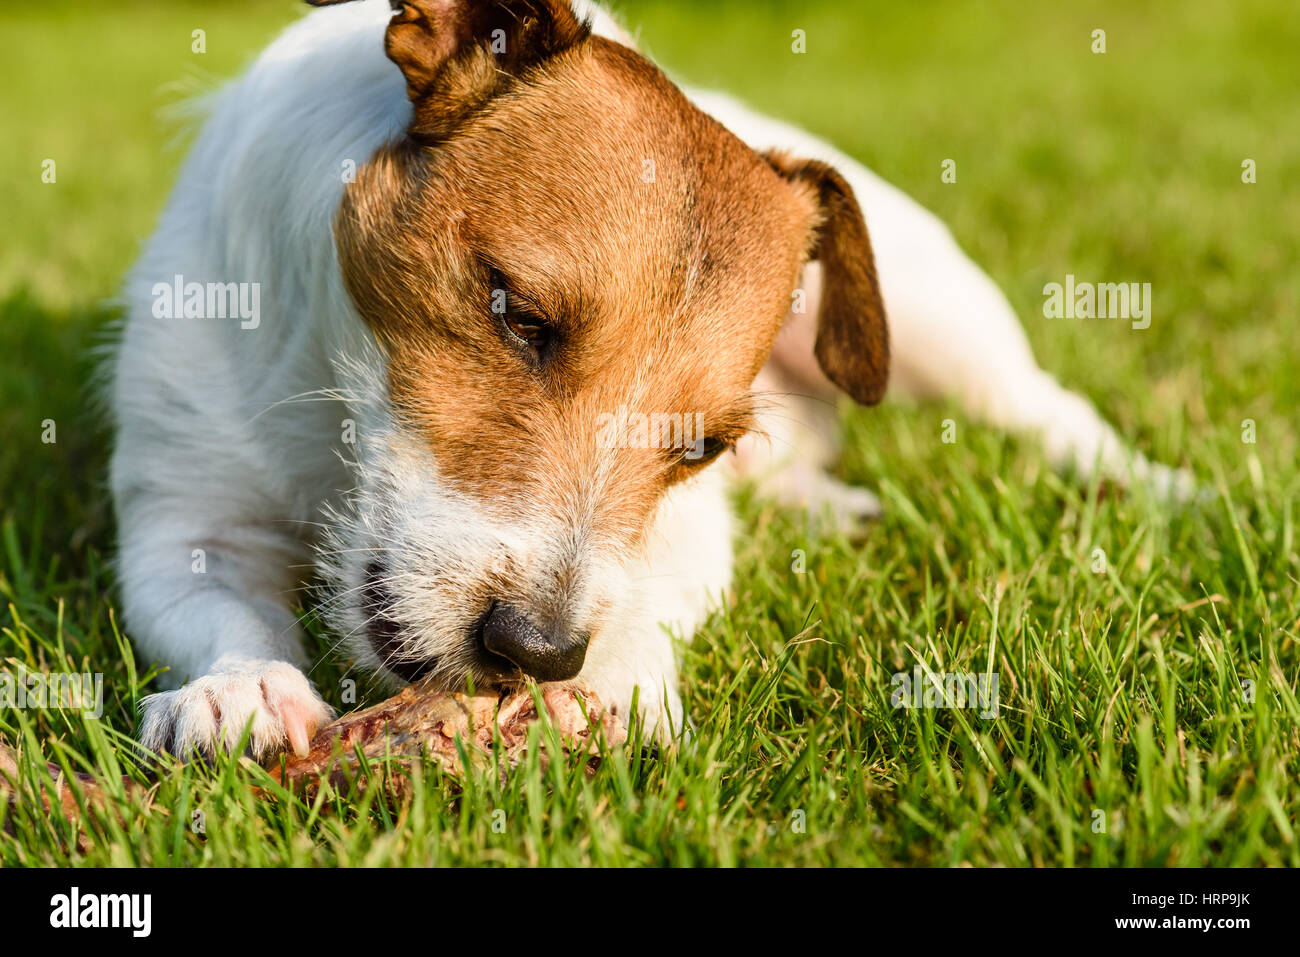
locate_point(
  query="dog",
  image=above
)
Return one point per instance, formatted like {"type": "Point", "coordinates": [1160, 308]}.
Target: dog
{"type": "Point", "coordinates": [465, 312]}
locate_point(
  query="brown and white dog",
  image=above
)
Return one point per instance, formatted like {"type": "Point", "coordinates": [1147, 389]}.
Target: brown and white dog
{"type": "Point", "coordinates": [453, 307]}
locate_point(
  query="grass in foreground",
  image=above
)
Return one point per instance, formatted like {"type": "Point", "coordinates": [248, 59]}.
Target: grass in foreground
{"type": "Point", "coordinates": [1148, 704]}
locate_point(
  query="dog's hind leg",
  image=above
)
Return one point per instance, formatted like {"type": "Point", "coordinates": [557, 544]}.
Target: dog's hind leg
{"type": "Point", "coordinates": [953, 333]}
{"type": "Point", "coordinates": [955, 336]}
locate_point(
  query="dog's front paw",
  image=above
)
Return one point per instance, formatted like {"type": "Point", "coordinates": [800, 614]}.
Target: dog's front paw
{"type": "Point", "coordinates": [831, 505]}
{"type": "Point", "coordinates": [212, 712]}
{"type": "Point", "coordinates": [662, 717]}
{"type": "Point", "coordinates": [843, 507]}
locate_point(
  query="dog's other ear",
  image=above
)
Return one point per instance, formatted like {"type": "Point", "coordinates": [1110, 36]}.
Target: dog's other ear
{"type": "Point", "coordinates": [852, 344]}
{"type": "Point", "coordinates": [457, 54]}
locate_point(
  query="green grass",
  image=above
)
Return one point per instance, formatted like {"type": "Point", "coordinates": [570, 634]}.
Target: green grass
{"type": "Point", "coordinates": [1121, 692]}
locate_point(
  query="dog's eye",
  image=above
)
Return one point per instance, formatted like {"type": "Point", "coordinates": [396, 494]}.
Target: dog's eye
{"type": "Point", "coordinates": [709, 450]}
{"type": "Point", "coordinates": [523, 322]}
{"type": "Point", "coordinates": [533, 330]}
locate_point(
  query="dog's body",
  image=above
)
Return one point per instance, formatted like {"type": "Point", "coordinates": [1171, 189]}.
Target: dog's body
{"type": "Point", "coordinates": [333, 434]}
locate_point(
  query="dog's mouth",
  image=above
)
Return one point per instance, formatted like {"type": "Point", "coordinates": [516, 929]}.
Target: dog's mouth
{"type": "Point", "coordinates": [384, 631]}
{"type": "Point", "coordinates": [386, 636]}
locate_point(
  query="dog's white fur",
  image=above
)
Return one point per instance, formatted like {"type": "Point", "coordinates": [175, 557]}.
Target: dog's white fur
{"type": "Point", "coordinates": [234, 487]}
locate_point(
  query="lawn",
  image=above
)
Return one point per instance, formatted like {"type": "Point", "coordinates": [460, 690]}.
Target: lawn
{"type": "Point", "coordinates": [1148, 698]}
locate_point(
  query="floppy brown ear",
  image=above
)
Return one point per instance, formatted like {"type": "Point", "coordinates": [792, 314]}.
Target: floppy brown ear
{"type": "Point", "coordinates": [852, 345]}
{"type": "Point", "coordinates": [456, 54]}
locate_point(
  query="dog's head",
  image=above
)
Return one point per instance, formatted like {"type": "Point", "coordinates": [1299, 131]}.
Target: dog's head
{"type": "Point", "coordinates": [574, 276]}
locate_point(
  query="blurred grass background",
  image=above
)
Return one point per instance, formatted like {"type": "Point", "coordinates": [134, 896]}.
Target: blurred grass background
{"type": "Point", "coordinates": [1123, 166]}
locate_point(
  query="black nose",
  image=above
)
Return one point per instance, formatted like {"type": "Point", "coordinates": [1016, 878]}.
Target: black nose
{"type": "Point", "coordinates": [544, 655]}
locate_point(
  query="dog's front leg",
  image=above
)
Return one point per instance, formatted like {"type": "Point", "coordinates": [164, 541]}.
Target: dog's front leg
{"type": "Point", "coordinates": [637, 666]}
{"type": "Point", "coordinates": [787, 456]}
{"type": "Point", "coordinates": [681, 574]}
{"type": "Point", "coordinates": [200, 596]}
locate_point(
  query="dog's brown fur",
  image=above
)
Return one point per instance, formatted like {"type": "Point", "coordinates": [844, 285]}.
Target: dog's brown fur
{"type": "Point", "coordinates": [665, 295]}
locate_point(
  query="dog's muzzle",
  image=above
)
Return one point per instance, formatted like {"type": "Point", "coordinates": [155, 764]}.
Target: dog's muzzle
{"type": "Point", "coordinates": [384, 631]}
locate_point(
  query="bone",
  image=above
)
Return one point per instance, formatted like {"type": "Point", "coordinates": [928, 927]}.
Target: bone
{"type": "Point", "coordinates": [417, 722]}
